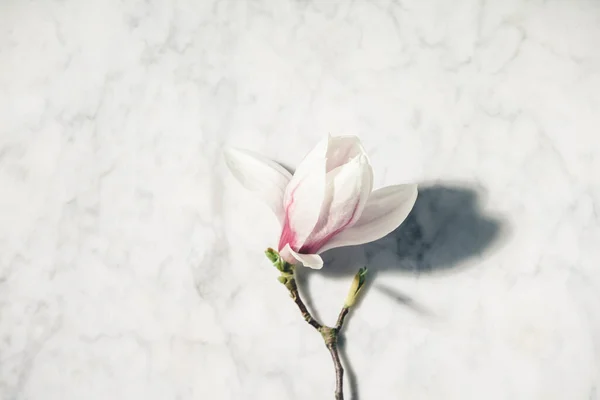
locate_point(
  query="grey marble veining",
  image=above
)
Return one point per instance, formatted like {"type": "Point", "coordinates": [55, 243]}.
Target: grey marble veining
{"type": "Point", "coordinates": [131, 262]}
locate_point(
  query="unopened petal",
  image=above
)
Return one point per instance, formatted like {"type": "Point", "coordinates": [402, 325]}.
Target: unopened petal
{"type": "Point", "coordinates": [386, 209]}
{"type": "Point", "coordinates": [342, 149]}
{"type": "Point", "coordinates": [264, 177]}
{"type": "Point", "coordinates": [303, 198]}
{"type": "Point", "coordinates": [346, 194]}
{"type": "Point", "coordinates": [316, 156]}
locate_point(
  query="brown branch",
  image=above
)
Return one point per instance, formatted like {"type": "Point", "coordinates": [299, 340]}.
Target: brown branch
{"type": "Point", "coordinates": [339, 370]}
{"type": "Point", "coordinates": [341, 317]}
{"type": "Point", "coordinates": [293, 288]}
{"type": "Point", "coordinates": [330, 335]}
{"type": "Point", "coordinates": [333, 350]}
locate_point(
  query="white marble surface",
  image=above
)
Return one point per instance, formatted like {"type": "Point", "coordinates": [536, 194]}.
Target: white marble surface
{"type": "Point", "coordinates": [131, 262]}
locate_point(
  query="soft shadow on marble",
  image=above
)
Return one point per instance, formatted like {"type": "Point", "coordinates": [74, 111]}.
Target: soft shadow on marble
{"type": "Point", "coordinates": [445, 228]}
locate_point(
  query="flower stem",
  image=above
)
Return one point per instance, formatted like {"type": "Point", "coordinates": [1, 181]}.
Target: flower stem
{"type": "Point", "coordinates": [341, 317]}
{"type": "Point", "coordinates": [295, 295]}
{"type": "Point", "coordinates": [339, 370]}
{"type": "Point", "coordinates": [330, 334]}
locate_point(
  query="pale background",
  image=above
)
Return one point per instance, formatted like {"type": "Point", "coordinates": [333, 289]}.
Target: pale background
{"type": "Point", "coordinates": [131, 262]}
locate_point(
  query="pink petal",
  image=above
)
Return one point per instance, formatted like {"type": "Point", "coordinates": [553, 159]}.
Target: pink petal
{"type": "Point", "coordinates": [264, 177]}
{"type": "Point", "coordinates": [303, 198]}
{"type": "Point", "coordinates": [346, 194]}
{"type": "Point", "coordinates": [386, 209]}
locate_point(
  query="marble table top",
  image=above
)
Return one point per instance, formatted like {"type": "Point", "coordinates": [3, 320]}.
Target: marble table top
{"type": "Point", "coordinates": [131, 261]}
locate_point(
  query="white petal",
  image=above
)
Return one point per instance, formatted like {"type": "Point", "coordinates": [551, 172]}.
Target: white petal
{"type": "Point", "coordinates": [303, 197]}
{"type": "Point", "coordinates": [346, 194]}
{"type": "Point", "coordinates": [262, 176]}
{"type": "Point", "coordinates": [308, 260]}
{"type": "Point", "coordinates": [386, 209]}
{"type": "Point", "coordinates": [316, 156]}
{"type": "Point", "coordinates": [342, 149]}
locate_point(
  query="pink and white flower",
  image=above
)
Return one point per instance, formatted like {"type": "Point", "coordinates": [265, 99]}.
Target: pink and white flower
{"type": "Point", "coordinates": [329, 201]}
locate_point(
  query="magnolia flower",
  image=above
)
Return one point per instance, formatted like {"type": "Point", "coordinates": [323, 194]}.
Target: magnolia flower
{"type": "Point", "coordinates": [329, 201]}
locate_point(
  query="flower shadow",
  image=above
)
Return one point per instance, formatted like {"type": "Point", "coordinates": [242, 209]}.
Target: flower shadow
{"type": "Point", "coordinates": [445, 229]}
{"type": "Point", "coordinates": [445, 232]}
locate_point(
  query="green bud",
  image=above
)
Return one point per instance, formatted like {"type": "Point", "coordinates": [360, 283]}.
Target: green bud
{"type": "Point", "coordinates": [272, 255]}
{"type": "Point", "coordinates": [279, 262]}
{"type": "Point", "coordinates": [285, 267]}
{"type": "Point", "coordinates": [275, 258]}
{"type": "Point", "coordinates": [355, 288]}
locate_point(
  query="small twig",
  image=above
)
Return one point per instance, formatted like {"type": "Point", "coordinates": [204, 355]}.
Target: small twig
{"type": "Point", "coordinates": [293, 288]}
{"type": "Point", "coordinates": [330, 335]}
{"type": "Point", "coordinates": [341, 317]}
{"type": "Point", "coordinates": [333, 349]}
{"type": "Point", "coordinates": [339, 370]}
